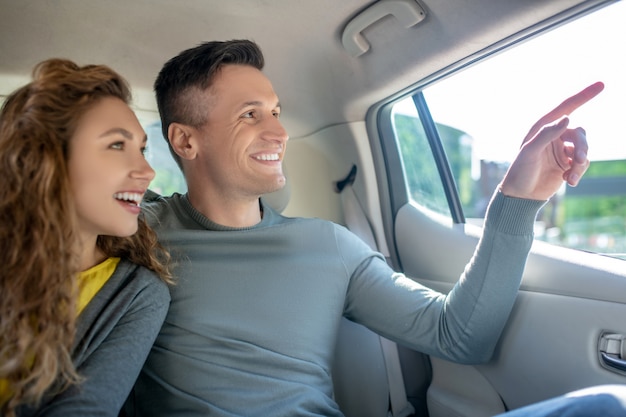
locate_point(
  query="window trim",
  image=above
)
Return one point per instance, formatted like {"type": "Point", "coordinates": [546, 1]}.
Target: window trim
{"type": "Point", "coordinates": [441, 159]}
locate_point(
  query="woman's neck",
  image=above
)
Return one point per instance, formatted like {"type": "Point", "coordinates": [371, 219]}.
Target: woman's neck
{"type": "Point", "coordinates": [90, 255]}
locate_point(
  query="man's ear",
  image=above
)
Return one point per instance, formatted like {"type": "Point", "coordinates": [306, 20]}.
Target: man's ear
{"type": "Point", "coordinates": [182, 139]}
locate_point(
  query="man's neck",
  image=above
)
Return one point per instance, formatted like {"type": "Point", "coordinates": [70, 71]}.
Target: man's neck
{"type": "Point", "coordinates": [235, 213]}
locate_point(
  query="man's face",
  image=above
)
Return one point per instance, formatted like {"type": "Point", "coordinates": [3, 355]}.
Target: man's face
{"type": "Point", "coordinates": [242, 142]}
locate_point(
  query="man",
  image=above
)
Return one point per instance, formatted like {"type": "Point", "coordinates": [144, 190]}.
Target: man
{"type": "Point", "coordinates": [253, 320]}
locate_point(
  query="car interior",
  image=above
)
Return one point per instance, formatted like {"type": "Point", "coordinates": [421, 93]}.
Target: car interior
{"type": "Point", "coordinates": [377, 144]}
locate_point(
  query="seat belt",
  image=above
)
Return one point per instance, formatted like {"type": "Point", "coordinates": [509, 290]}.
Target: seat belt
{"type": "Point", "coordinates": [357, 221]}
{"type": "Point", "coordinates": [399, 404]}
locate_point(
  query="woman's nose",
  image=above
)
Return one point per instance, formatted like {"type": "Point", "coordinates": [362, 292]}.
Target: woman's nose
{"type": "Point", "coordinates": [143, 169]}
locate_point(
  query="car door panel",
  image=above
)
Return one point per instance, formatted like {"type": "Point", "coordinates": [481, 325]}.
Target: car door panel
{"type": "Point", "coordinates": [549, 347]}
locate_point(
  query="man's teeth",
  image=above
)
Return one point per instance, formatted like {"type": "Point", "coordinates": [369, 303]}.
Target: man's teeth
{"type": "Point", "coordinates": [130, 197]}
{"type": "Point", "coordinates": [268, 157]}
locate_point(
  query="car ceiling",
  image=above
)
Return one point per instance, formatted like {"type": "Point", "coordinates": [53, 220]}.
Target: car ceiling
{"type": "Point", "coordinates": [319, 83]}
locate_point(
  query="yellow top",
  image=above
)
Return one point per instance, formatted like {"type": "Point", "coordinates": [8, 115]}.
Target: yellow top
{"type": "Point", "coordinates": [92, 280]}
{"type": "Point", "coordinates": [89, 283]}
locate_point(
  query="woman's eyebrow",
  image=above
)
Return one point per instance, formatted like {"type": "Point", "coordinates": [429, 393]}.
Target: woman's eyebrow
{"type": "Point", "coordinates": [117, 130]}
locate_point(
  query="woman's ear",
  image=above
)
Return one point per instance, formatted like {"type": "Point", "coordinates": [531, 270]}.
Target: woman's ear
{"type": "Point", "coordinates": [181, 138]}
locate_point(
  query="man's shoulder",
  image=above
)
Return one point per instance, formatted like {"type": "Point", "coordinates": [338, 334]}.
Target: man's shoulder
{"type": "Point", "coordinates": [152, 198]}
{"type": "Point", "coordinates": [276, 217]}
{"type": "Point", "coordinates": [315, 226]}
{"type": "Point", "coordinates": [156, 206]}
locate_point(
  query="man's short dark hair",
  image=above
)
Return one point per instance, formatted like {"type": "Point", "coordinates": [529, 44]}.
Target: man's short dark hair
{"type": "Point", "coordinates": [192, 72]}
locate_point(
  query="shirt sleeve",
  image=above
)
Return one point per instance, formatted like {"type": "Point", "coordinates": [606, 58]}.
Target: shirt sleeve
{"type": "Point", "coordinates": [464, 325]}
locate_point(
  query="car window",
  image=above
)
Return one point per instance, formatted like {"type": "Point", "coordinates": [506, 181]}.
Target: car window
{"type": "Point", "coordinates": [168, 177]}
{"type": "Point", "coordinates": [419, 167]}
{"type": "Point", "coordinates": [481, 114]}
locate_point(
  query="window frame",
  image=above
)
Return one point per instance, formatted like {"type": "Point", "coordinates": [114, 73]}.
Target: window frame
{"type": "Point", "coordinates": [388, 162]}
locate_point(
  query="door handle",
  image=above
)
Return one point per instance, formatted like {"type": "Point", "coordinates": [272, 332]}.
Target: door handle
{"type": "Point", "coordinates": [612, 352]}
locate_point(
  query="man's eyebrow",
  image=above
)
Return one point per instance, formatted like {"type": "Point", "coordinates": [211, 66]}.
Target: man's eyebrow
{"type": "Point", "coordinates": [256, 103]}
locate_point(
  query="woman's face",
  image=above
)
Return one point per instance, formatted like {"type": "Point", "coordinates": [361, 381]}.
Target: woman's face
{"type": "Point", "coordinates": [108, 171]}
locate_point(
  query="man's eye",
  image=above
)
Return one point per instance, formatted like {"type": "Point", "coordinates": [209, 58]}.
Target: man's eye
{"type": "Point", "coordinates": [277, 114]}
{"type": "Point", "coordinates": [248, 115]}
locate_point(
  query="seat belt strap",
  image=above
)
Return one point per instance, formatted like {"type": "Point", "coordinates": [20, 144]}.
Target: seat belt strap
{"type": "Point", "coordinates": [399, 404]}
{"type": "Point", "coordinates": [357, 221]}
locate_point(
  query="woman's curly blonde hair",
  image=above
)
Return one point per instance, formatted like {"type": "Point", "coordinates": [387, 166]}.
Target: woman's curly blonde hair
{"type": "Point", "coordinates": [38, 232]}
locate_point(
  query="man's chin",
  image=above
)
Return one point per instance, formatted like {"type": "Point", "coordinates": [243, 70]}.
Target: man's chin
{"type": "Point", "coordinates": [278, 195]}
{"type": "Point", "coordinates": [276, 185]}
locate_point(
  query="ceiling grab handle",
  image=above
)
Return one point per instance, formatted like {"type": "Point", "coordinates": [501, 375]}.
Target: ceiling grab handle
{"type": "Point", "coordinates": [407, 12]}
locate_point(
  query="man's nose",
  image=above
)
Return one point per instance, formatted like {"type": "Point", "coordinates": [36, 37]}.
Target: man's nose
{"type": "Point", "coordinates": [275, 131]}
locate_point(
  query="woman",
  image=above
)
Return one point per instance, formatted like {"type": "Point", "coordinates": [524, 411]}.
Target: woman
{"type": "Point", "coordinates": [83, 288]}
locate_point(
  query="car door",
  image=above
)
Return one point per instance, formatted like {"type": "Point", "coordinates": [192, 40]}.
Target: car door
{"type": "Point", "coordinates": [566, 329]}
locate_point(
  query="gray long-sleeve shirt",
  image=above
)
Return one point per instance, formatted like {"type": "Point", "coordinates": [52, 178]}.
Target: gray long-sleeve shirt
{"type": "Point", "coordinates": [253, 320]}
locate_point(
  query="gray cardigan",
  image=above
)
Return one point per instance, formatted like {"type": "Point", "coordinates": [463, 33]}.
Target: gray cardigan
{"type": "Point", "coordinates": [114, 334]}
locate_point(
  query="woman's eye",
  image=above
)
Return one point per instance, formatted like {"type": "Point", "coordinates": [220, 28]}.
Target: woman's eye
{"type": "Point", "coordinates": [144, 150]}
{"type": "Point", "coordinates": [117, 145]}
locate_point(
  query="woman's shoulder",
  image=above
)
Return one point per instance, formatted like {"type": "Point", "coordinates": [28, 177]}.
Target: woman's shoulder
{"type": "Point", "coordinates": [141, 280]}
